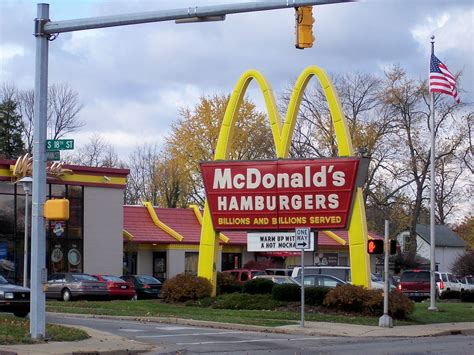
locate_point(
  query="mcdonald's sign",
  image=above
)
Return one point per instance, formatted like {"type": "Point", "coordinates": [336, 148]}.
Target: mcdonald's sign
{"type": "Point", "coordinates": [280, 194]}
{"type": "Point", "coordinates": [282, 132]}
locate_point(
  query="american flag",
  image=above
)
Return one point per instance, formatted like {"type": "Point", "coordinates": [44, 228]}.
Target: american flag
{"type": "Point", "coordinates": [441, 80]}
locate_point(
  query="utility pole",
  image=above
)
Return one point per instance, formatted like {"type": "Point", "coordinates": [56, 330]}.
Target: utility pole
{"type": "Point", "coordinates": [46, 30]}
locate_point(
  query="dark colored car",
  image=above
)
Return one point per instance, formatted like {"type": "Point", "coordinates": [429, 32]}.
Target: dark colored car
{"type": "Point", "coordinates": [118, 288]}
{"type": "Point", "coordinates": [415, 284]}
{"type": "Point", "coordinates": [14, 299]}
{"type": "Point", "coordinates": [146, 286]}
{"type": "Point", "coordinates": [72, 285]}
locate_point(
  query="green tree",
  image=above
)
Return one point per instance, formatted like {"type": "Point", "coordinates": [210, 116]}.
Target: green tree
{"type": "Point", "coordinates": [11, 143]}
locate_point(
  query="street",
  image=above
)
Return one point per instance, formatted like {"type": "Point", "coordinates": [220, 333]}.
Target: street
{"type": "Point", "coordinates": [175, 338]}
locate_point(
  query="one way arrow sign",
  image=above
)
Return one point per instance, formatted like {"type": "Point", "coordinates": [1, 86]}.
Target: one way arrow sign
{"type": "Point", "coordinates": [302, 238]}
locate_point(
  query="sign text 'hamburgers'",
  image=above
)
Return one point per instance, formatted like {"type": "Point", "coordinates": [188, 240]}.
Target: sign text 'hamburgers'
{"type": "Point", "coordinates": [280, 194]}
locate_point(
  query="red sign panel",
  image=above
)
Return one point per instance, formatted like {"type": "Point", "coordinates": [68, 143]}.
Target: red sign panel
{"type": "Point", "coordinates": [280, 194]}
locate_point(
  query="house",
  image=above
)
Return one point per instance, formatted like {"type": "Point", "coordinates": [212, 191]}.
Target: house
{"type": "Point", "coordinates": [448, 245]}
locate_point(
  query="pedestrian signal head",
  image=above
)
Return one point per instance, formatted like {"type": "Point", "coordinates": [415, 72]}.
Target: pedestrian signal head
{"type": "Point", "coordinates": [375, 246]}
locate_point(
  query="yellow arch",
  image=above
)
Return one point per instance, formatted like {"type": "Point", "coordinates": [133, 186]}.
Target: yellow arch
{"type": "Point", "coordinates": [282, 136]}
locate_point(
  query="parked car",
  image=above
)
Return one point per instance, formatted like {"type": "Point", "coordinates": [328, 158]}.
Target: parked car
{"type": "Point", "coordinates": [447, 282]}
{"type": "Point", "coordinates": [14, 299]}
{"type": "Point", "coordinates": [278, 279]}
{"type": "Point", "coordinates": [146, 286]}
{"type": "Point", "coordinates": [322, 280]}
{"type": "Point", "coordinates": [415, 284]}
{"type": "Point", "coordinates": [467, 283]}
{"type": "Point", "coordinates": [242, 275]}
{"type": "Point", "coordinates": [72, 285]}
{"type": "Point", "coordinates": [118, 288]}
{"type": "Point", "coordinates": [341, 272]}
{"type": "Point", "coordinates": [276, 271]}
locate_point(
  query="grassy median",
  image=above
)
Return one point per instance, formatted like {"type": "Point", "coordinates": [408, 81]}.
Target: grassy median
{"type": "Point", "coordinates": [14, 330]}
{"type": "Point", "coordinates": [448, 312]}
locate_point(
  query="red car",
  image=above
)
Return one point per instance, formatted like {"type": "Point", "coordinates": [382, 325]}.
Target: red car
{"type": "Point", "coordinates": [118, 288]}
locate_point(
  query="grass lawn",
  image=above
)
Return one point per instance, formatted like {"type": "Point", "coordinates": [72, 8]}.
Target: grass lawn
{"type": "Point", "coordinates": [14, 330]}
{"type": "Point", "coordinates": [448, 312]}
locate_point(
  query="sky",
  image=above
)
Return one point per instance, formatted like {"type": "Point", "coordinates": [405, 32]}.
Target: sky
{"type": "Point", "coordinates": [133, 80]}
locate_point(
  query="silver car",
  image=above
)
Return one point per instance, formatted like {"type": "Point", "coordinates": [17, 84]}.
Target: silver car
{"type": "Point", "coordinates": [72, 285]}
{"type": "Point", "coordinates": [14, 299]}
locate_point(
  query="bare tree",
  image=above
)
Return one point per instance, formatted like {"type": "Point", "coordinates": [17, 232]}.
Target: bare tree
{"type": "Point", "coordinates": [142, 179]}
{"type": "Point", "coordinates": [63, 110]}
{"type": "Point", "coordinates": [96, 153]}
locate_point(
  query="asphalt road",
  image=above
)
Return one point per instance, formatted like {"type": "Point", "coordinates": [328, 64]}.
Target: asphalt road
{"type": "Point", "coordinates": [184, 339]}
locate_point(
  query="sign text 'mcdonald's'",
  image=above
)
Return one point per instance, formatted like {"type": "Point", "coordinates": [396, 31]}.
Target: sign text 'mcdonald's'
{"type": "Point", "coordinates": [280, 194]}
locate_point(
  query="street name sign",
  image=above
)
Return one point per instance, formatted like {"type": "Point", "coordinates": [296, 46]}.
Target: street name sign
{"type": "Point", "coordinates": [302, 238]}
{"type": "Point", "coordinates": [59, 144]}
{"type": "Point", "coordinates": [52, 155]}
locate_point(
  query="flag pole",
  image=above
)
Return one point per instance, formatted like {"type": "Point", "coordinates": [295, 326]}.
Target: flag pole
{"type": "Point", "coordinates": [432, 306]}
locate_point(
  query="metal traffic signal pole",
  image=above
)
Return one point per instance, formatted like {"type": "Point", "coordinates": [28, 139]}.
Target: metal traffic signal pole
{"type": "Point", "coordinates": [386, 321]}
{"type": "Point", "coordinates": [46, 30]}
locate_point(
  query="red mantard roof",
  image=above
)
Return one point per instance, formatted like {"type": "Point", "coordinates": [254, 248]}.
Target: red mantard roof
{"type": "Point", "coordinates": [138, 222]}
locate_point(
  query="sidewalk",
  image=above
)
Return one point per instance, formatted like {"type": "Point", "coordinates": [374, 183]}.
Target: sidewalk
{"type": "Point", "coordinates": [106, 343]}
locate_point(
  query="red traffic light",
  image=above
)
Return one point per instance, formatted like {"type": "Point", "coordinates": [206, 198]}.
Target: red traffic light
{"type": "Point", "coordinates": [375, 246]}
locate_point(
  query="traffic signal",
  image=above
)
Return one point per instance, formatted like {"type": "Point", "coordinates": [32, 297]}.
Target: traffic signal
{"type": "Point", "coordinates": [375, 246]}
{"type": "Point", "coordinates": [304, 27]}
{"type": "Point", "coordinates": [393, 246]}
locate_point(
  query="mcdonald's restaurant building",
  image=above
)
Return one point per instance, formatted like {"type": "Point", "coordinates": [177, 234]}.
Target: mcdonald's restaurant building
{"type": "Point", "coordinates": [90, 241]}
{"type": "Point", "coordinates": [105, 237]}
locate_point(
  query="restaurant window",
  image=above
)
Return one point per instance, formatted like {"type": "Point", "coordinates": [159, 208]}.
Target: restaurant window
{"type": "Point", "coordinates": [191, 262]}
{"type": "Point", "coordinates": [159, 265]}
{"type": "Point", "coordinates": [231, 261]}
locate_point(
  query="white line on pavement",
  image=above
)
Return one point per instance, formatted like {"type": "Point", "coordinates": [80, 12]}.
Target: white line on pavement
{"type": "Point", "coordinates": [249, 341]}
{"type": "Point", "coordinates": [186, 335]}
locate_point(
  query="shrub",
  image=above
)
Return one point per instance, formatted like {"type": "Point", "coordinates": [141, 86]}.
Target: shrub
{"type": "Point", "coordinates": [450, 295]}
{"type": "Point", "coordinates": [286, 292]}
{"type": "Point", "coordinates": [351, 298]}
{"type": "Point", "coordinates": [258, 286]}
{"type": "Point", "coordinates": [246, 301]}
{"type": "Point", "coordinates": [399, 305]}
{"type": "Point", "coordinates": [314, 296]}
{"type": "Point", "coordinates": [467, 296]}
{"type": "Point", "coordinates": [185, 287]}
{"type": "Point", "coordinates": [226, 283]}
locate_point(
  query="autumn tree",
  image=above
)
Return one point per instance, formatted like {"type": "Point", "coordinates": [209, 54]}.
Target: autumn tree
{"type": "Point", "coordinates": [194, 136]}
{"type": "Point", "coordinates": [408, 103]}
{"type": "Point", "coordinates": [465, 229]}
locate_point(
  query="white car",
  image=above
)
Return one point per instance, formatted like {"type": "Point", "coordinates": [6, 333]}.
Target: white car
{"type": "Point", "coordinates": [447, 282]}
{"type": "Point", "coordinates": [467, 283]}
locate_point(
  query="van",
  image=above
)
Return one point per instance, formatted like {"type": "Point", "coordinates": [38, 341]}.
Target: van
{"type": "Point", "coordinates": [242, 275]}
{"type": "Point", "coordinates": [341, 272]}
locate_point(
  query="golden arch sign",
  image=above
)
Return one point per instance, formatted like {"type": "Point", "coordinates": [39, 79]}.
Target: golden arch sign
{"type": "Point", "coordinates": [282, 136]}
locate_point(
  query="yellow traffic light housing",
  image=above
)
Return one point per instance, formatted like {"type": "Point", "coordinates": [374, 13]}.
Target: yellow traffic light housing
{"type": "Point", "coordinates": [304, 27]}
{"type": "Point", "coordinates": [56, 210]}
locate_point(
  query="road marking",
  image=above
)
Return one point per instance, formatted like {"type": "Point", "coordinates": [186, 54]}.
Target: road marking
{"type": "Point", "coordinates": [131, 330]}
{"type": "Point", "coordinates": [250, 341]}
{"type": "Point", "coordinates": [189, 334]}
{"type": "Point", "coordinates": [174, 328]}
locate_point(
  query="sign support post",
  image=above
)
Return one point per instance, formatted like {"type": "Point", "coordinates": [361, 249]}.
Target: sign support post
{"type": "Point", "coordinates": [302, 242]}
{"type": "Point", "coordinates": [386, 321]}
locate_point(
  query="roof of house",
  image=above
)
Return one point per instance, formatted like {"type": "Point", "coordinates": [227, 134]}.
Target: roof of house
{"type": "Point", "coordinates": [139, 224]}
{"type": "Point", "coordinates": [444, 236]}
